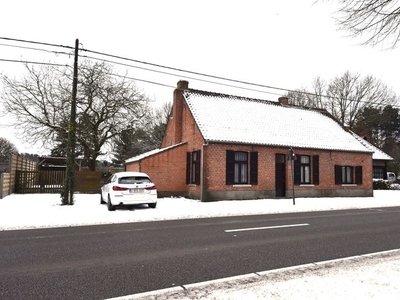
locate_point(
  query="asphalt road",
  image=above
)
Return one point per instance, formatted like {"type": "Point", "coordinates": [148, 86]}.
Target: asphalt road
{"type": "Point", "coordinates": [98, 262]}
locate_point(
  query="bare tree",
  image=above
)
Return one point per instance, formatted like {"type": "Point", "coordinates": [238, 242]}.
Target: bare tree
{"type": "Point", "coordinates": [349, 94]}
{"type": "Point", "coordinates": [345, 97]}
{"type": "Point", "coordinates": [141, 140]}
{"type": "Point", "coordinates": [6, 149]}
{"type": "Point", "coordinates": [379, 20]}
{"type": "Point", "coordinates": [107, 105]}
{"type": "Point", "coordinates": [313, 98]}
{"type": "Point", "coordinates": [159, 123]}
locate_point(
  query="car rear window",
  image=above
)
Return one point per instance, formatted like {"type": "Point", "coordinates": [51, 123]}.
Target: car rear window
{"type": "Point", "coordinates": [134, 179]}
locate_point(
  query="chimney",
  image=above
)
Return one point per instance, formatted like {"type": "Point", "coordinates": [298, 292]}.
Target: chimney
{"type": "Point", "coordinates": [182, 85]}
{"type": "Point", "coordinates": [177, 110]}
{"type": "Point", "coordinates": [283, 100]}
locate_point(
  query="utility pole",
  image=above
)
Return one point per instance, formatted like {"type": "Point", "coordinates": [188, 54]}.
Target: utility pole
{"type": "Point", "coordinates": [68, 196]}
{"type": "Point", "coordinates": [292, 158]}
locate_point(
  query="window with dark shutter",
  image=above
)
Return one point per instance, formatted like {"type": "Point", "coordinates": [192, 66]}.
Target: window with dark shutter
{"type": "Point", "coordinates": [315, 169]}
{"type": "Point", "coordinates": [193, 167]}
{"type": "Point", "coordinates": [241, 171]}
{"type": "Point", "coordinates": [230, 166]}
{"type": "Point", "coordinates": [338, 174]}
{"type": "Point", "coordinates": [196, 166]}
{"type": "Point", "coordinates": [254, 168]}
{"type": "Point", "coordinates": [359, 175]}
{"type": "Point", "coordinates": [241, 167]}
{"type": "Point", "coordinates": [188, 164]}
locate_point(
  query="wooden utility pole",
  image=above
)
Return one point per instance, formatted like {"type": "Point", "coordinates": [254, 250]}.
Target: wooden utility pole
{"type": "Point", "coordinates": [68, 197]}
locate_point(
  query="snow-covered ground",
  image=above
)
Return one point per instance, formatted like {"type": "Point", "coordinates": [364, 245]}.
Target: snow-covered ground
{"type": "Point", "coordinates": [374, 276]}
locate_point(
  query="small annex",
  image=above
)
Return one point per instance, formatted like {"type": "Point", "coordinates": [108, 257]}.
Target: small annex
{"type": "Point", "coordinates": [222, 147]}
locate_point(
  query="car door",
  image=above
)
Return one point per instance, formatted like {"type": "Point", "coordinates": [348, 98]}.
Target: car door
{"type": "Point", "coordinates": [106, 187]}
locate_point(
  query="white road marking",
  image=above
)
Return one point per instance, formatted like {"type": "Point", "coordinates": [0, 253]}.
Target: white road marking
{"type": "Point", "coordinates": [268, 227]}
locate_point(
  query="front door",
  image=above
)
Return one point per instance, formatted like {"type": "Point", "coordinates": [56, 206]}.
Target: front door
{"type": "Point", "coordinates": [280, 175]}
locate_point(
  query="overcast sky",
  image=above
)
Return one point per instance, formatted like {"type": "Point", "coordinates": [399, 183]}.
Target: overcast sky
{"type": "Point", "coordinates": [284, 44]}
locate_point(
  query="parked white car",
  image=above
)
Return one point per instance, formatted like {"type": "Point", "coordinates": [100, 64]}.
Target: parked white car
{"type": "Point", "coordinates": [128, 188]}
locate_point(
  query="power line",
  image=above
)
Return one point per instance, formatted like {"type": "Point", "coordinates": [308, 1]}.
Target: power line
{"type": "Point", "coordinates": [34, 42]}
{"type": "Point", "coordinates": [36, 49]}
{"type": "Point", "coordinates": [187, 71]}
{"type": "Point", "coordinates": [176, 69]}
{"type": "Point", "coordinates": [33, 62]}
{"type": "Point", "coordinates": [174, 74]}
{"type": "Point", "coordinates": [223, 78]}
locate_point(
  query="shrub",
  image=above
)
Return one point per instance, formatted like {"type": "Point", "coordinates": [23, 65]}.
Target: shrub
{"type": "Point", "coordinates": [381, 184]}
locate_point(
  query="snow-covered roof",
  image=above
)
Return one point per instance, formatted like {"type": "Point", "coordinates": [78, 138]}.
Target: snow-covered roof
{"type": "Point", "coordinates": [149, 153]}
{"type": "Point", "coordinates": [378, 153]}
{"type": "Point", "coordinates": [234, 119]}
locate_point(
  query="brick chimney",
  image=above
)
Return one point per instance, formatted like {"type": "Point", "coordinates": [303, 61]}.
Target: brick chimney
{"type": "Point", "coordinates": [177, 110]}
{"type": "Point", "coordinates": [283, 100]}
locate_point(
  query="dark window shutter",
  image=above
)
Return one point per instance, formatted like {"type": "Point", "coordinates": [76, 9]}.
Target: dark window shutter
{"type": "Point", "coordinates": [338, 174]}
{"type": "Point", "coordinates": [197, 168]}
{"type": "Point", "coordinates": [230, 166]}
{"type": "Point", "coordinates": [254, 168]}
{"type": "Point", "coordinates": [188, 164]}
{"type": "Point", "coordinates": [315, 167]}
{"type": "Point", "coordinates": [297, 171]}
{"type": "Point", "coordinates": [359, 175]}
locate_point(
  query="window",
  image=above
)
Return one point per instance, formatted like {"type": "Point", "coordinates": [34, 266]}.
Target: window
{"type": "Point", "coordinates": [193, 167]}
{"type": "Point", "coordinates": [240, 163]}
{"type": "Point", "coordinates": [305, 169]}
{"type": "Point", "coordinates": [378, 173]}
{"type": "Point", "coordinates": [241, 170]}
{"type": "Point", "coordinates": [348, 174]}
{"type": "Point", "coordinates": [306, 172]}
{"type": "Point", "coordinates": [132, 180]}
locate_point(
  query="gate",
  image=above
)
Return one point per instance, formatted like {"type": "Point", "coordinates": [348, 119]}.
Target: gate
{"type": "Point", "coordinates": [47, 181]}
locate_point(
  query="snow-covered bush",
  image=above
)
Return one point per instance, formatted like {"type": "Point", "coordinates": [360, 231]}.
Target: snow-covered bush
{"type": "Point", "coordinates": [380, 184]}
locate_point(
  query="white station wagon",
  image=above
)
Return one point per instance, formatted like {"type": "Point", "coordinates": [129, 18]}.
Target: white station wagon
{"type": "Point", "coordinates": [128, 188]}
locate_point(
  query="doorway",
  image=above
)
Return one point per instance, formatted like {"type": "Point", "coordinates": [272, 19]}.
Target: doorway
{"type": "Point", "coordinates": [280, 175]}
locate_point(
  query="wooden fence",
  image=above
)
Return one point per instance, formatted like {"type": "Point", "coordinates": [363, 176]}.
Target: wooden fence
{"type": "Point", "coordinates": [10, 167]}
{"type": "Point", "coordinates": [23, 177]}
{"type": "Point", "coordinates": [39, 181]}
{"type": "Point", "coordinates": [5, 181]}
{"type": "Point", "coordinates": [49, 181]}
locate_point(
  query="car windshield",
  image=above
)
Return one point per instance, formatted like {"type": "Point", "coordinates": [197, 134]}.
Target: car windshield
{"type": "Point", "coordinates": [134, 179]}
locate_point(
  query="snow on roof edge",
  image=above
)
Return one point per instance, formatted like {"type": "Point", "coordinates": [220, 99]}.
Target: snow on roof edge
{"type": "Point", "coordinates": [377, 153]}
{"type": "Point", "coordinates": [150, 153]}
{"type": "Point", "coordinates": [287, 145]}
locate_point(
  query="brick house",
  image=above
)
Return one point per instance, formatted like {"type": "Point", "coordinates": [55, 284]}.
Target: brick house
{"type": "Point", "coordinates": [219, 147]}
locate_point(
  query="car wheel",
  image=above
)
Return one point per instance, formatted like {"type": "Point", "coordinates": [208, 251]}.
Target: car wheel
{"type": "Point", "coordinates": [101, 199]}
{"type": "Point", "coordinates": [109, 205]}
{"type": "Point", "coordinates": [152, 205]}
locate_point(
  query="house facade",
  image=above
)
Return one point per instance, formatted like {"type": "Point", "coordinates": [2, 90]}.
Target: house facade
{"type": "Point", "coordinates": [221, 147]}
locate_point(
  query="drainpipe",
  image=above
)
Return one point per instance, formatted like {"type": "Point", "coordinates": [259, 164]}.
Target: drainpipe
{"type": "Point", "coordinates": [202, 172]}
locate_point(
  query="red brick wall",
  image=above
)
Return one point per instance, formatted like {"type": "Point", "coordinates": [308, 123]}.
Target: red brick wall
{"type": "Point", "coordinates": [215, 168]}
{"type": "Point", "coordinates": [133, 166]}
{"type": "Point", "coordinates": [167, 169]}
